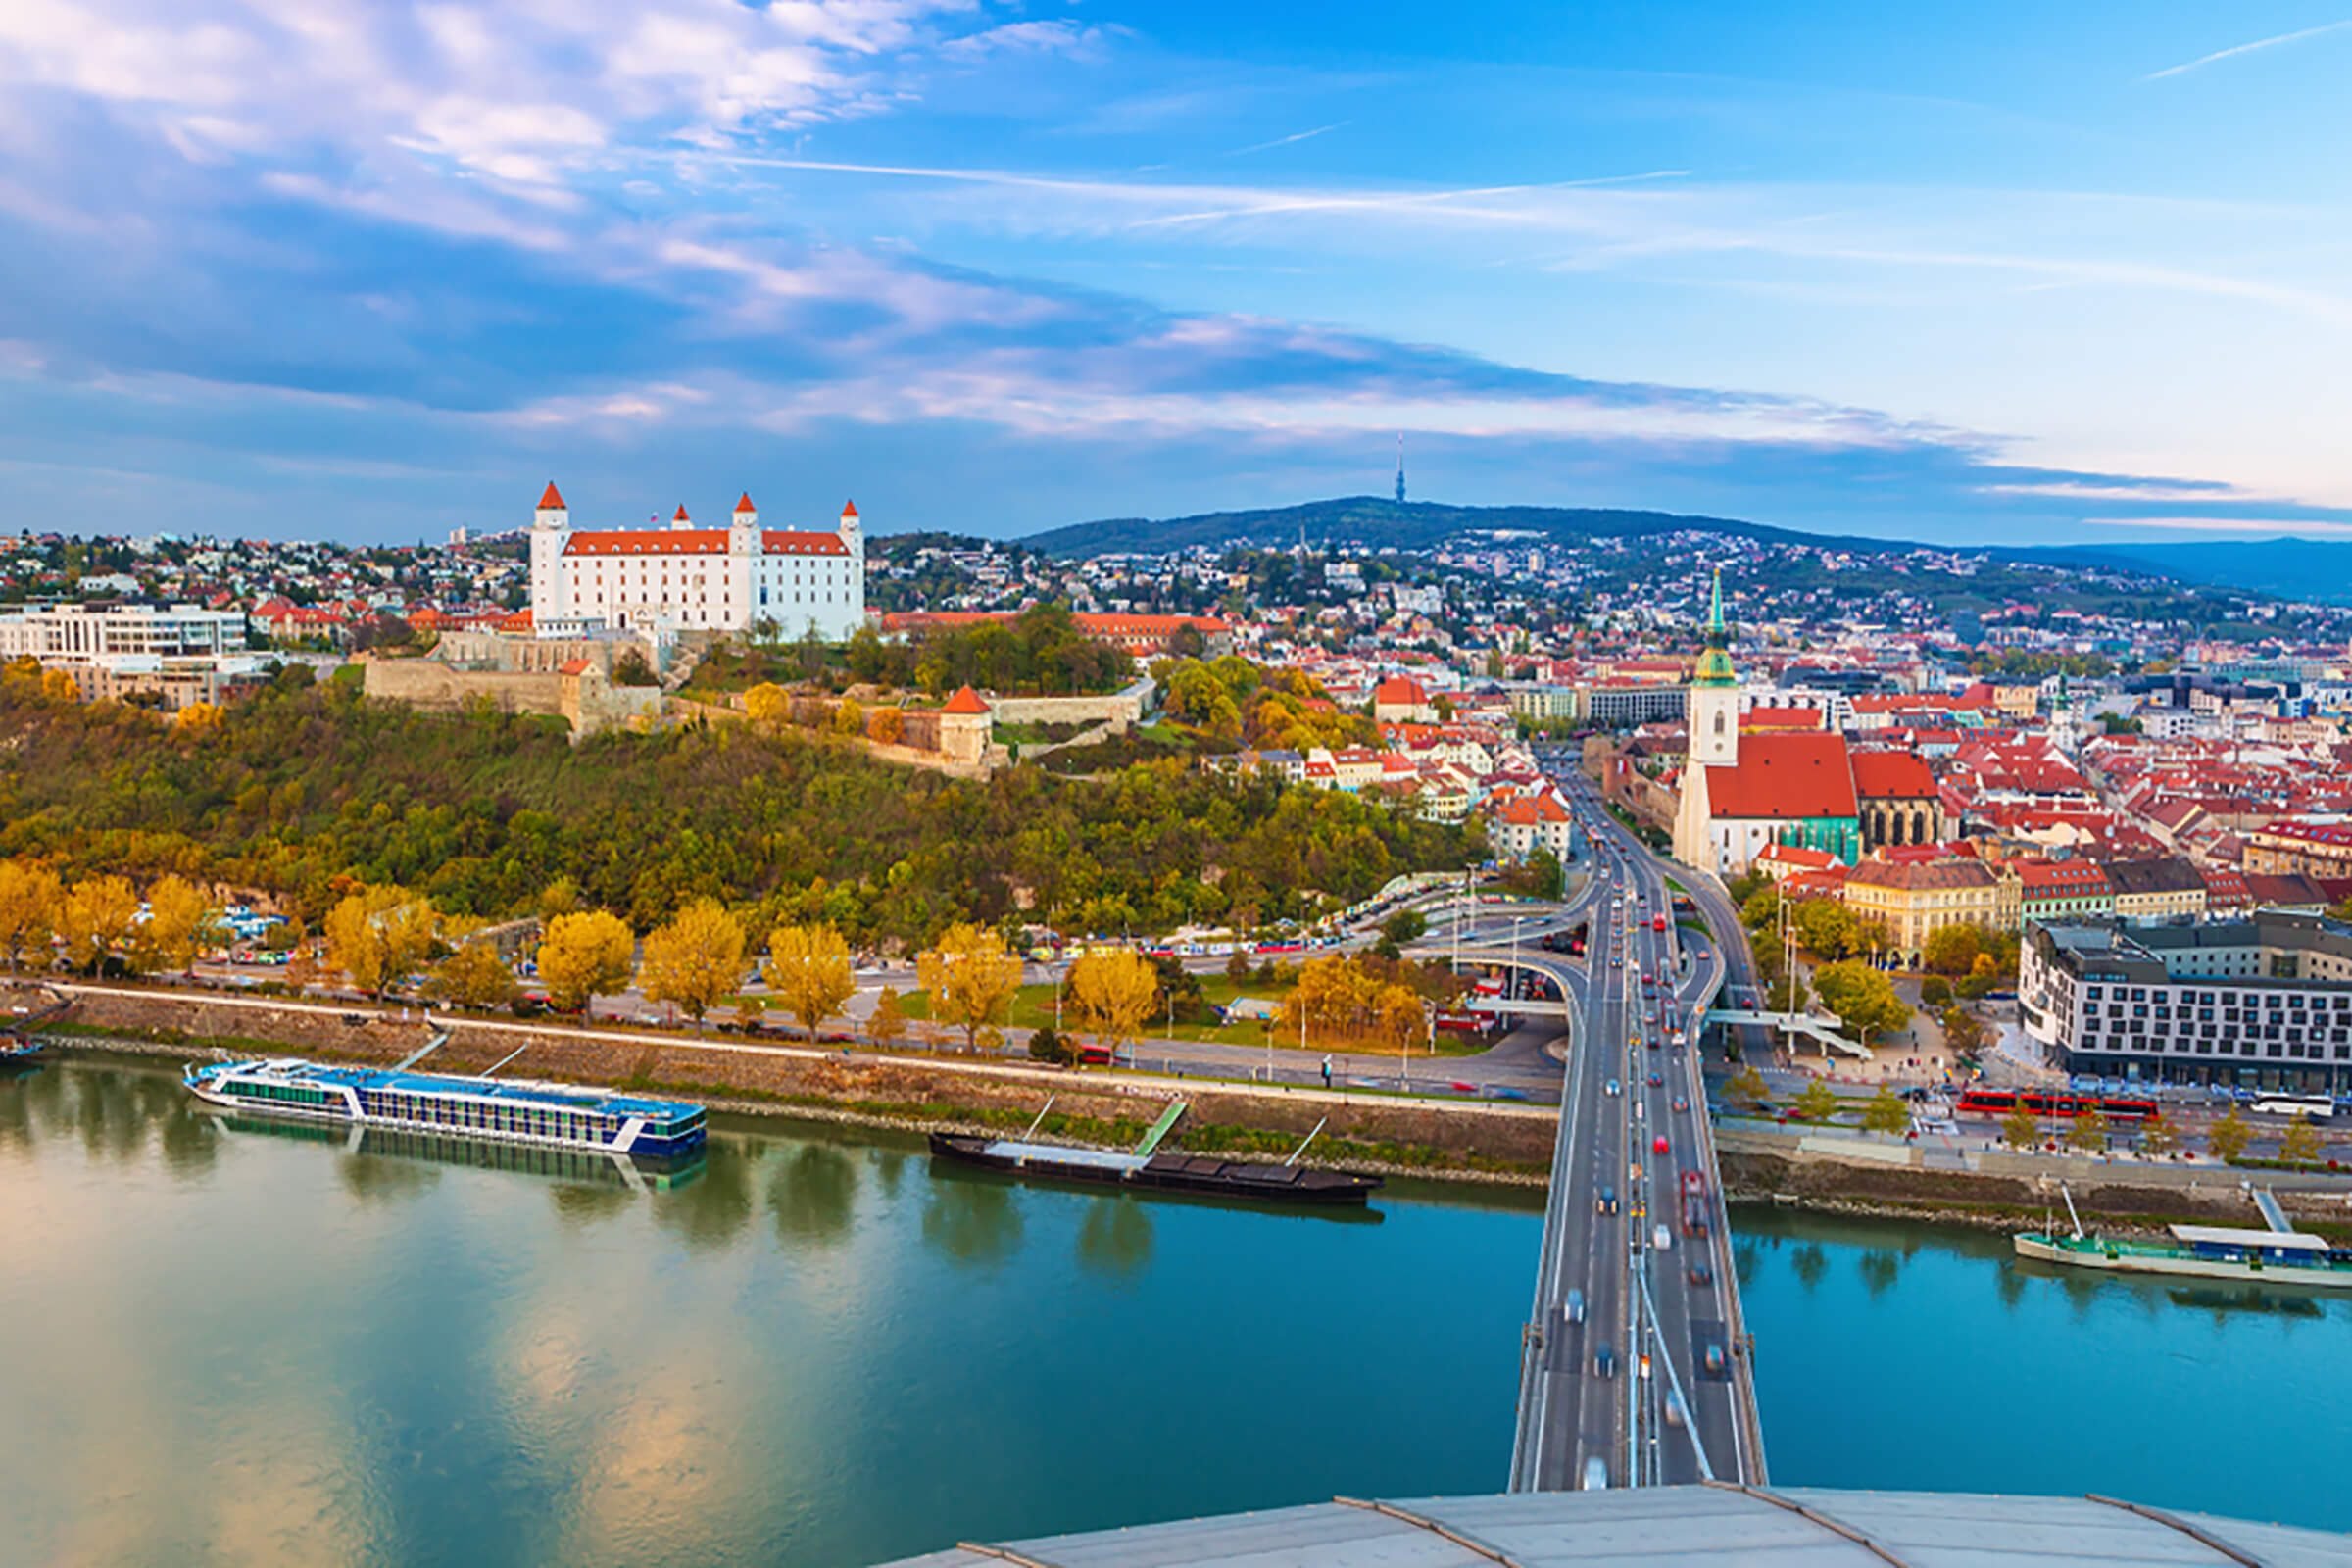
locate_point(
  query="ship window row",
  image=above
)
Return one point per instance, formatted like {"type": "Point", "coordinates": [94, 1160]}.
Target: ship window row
{"type": "Point", "coordinates": [278, 1094]}
{"type": "Point", "coordinates": [473, 1115]}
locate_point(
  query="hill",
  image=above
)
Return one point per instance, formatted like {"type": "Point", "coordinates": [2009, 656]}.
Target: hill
{"type": "Point", "coordinates": [1375, 521]}
{"type": "Point", "coordinates": [2300, 570]}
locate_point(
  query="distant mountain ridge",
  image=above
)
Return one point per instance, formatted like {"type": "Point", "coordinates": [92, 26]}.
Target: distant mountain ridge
{"type": "Point", "coordinates": [2306, 569]}
{"type": "Point", "coordinates": [1376, 521]}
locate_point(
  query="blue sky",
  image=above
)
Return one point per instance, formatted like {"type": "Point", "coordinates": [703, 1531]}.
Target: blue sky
{"type": "Point", "coordinates": [1998, 272]}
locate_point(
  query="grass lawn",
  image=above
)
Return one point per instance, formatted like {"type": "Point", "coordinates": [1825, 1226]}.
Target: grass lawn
{"type": "Point", "coordinates": [1033, 1009]}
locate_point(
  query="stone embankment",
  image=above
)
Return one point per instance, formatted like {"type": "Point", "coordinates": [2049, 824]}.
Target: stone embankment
{"type": "Point", "coordinates": [2003, 1190]}
{"type": "Point", "coordinates": [1386, 1133]}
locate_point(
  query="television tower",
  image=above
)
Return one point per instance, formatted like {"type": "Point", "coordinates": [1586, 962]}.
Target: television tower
{"type": "Point", "coordinates": [1400, 467]}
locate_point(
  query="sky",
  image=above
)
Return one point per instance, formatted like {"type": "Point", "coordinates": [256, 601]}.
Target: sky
{"type": "Point", "coordinates": [367, 270]}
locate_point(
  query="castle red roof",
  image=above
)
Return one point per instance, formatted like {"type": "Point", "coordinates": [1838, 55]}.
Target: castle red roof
{"type": "Point", "coordinates": [744, 504]}
{"type": "Point", "coordinates": [551, 498]}
{"type": "Point", "coordinates": [679, 515]}
{"type": "Point", "coordinates": [698, 541]}
{"type": "Point", "coordinates": [849, 509]}
{"type": "Point", "coordinates": [1783, 776]}
{"type": "Point", "coordinates": [965, 701]}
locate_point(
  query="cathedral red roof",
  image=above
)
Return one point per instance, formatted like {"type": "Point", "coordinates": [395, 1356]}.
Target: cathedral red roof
{"type": "Point", "coordinates": [1783, 776]}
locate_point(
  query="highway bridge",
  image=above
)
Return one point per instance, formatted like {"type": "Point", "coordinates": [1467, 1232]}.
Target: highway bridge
{"type": "Point", "coordinates": [1635, 1361]}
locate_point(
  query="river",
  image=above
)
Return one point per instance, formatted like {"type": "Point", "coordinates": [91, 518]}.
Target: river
{"type": "Point", "coordinates": [230, 1343]}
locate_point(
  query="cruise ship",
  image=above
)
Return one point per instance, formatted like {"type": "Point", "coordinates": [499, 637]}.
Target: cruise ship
{"type": "Point", "coordinates": [562, 1115]}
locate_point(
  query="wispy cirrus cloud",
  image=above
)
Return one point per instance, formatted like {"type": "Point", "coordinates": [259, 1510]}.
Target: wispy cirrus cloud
{"type": "Point", "coordinates": [2266, 528]}
{"type": "Point", "coordinates": [2257, 45]}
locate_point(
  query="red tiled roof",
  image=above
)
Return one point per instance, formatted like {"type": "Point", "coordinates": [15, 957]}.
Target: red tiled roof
{"type": "Point", "coordinates": [1892, 775]}
{"type": "Point", "coordinates": [679, 515]}
{"type": "Point", "coordinates": [744, 504]}
{"type": "Point", "coordinates": [849, 509]}
{"type": "Point", "coordinates": [1400, 690]}
{"type": "Point", "coordinates": [1783, 776]}
{"type": "Point", "coordinates": [550, 499]}
{"type": "Point", "coordinates": [698, 541]}
{"type": "Point", "coordinates": [965, 701]}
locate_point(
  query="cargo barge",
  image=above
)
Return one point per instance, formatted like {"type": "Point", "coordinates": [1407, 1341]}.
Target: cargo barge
{"type": "Point", "coordinates": [1147, 1170]}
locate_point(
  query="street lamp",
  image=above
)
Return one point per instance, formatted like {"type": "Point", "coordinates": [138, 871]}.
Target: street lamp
{"type": "Point", "coordinates": [1516, 922]}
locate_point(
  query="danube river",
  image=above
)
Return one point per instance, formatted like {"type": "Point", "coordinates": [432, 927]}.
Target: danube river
{"type": "Point", "coordinates": [235, 1344]}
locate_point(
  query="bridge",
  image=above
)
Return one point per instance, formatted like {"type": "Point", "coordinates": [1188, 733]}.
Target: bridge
{"type": "Point", "coordinates": [1823, 1030]}
{"type": "Point", "coordinates": [1636, 1362]}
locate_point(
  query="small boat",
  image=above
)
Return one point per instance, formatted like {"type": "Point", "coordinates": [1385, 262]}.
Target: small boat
{"type": "Point", "coordinates": [1146, 1170]}
{"type": "Point", "coordinates": [20, 1049]}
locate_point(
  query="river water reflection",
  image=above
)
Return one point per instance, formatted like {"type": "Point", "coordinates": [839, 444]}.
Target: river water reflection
{"type": "Point", "coordinates": [240, 1343]}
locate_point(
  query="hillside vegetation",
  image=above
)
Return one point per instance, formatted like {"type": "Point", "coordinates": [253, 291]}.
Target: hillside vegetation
{"type": "Point", "coordinates": [304, 789]}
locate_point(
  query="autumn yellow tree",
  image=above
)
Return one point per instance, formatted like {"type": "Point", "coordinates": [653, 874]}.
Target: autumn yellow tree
{"type": "Point", "coordinates": [474, 976]}
{"type": "Point", "coordinates": [695, 959]}
{"type": "Point", "coordinates": [181, 922]}
{"type": "Point", "coordinates": [971, 977]}
{"type": "Point", "coordinates": [886, 725]}
{"type": "Point", "coordinates": [808, 970]}
{"type": "Point", "coordinates": [2300, 1145]}
{"type": "Point", "coordinates": [96, 920]}
{"type": "Point", "coordinates": [200, 719]}
{"type": "Point", "coordinates": [584, 956]}
{"type": "Point", "coordinates": [888, 1025]}
{"type": "Point", "coordinates": [378, 935]}
{"type": "Point", "coordinates": [768, 705]}
{"type": "Point", "coordinates": [1113, 994]}
{"type": "Point", "coordinates": [847, 718]}
{"type": "Point", "coordinates": [31, 902]}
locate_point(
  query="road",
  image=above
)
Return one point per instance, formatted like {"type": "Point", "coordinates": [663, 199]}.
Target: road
{"type": "Point", "coordinates": [1612, 1189]}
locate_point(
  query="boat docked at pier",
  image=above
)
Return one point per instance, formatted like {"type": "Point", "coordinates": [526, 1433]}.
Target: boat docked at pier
{"type": "Point", "coordinates": [2277, 1254]}
{"type": "Point", "coordinates": [495, 1110]}
{"type": "Point", "coordinates": [1147, 1170]}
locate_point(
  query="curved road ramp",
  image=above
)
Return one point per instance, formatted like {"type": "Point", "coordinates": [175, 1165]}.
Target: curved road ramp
{"type": "Point", "coordinates": [1796, 1527]}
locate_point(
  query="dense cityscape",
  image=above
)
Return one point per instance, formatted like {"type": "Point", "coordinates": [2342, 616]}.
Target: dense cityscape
{"type": "Point", "coordinates": [930, 783]}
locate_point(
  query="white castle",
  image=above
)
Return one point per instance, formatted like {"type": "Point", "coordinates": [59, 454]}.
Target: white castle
{"type": "Point", "coordinates": [684, 579]}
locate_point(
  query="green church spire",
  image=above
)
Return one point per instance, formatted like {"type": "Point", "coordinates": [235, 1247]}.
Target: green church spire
{"type": "Point", "coordinates": [1715, 664]}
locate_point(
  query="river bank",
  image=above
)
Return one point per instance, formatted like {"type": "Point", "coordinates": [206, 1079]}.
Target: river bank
{"type": "Point", "coordinates": [1372, 1133]}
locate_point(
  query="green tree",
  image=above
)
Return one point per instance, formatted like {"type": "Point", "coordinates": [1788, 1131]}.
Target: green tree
{"type": "Point", "coordinates": [1863, 998]}
{"type": "Point", "coordinates": [2300, 1144]}
{"type": "Point", "coordinates": [2157, 1137]}
{"type": "Point", "coordinates": [1962, 1031]}
{"type": "Point", "coordinates": [2229, 1136]}
{"type": "Point", "coordinates": [1953, 950]}
{"type": "Point", "coordinates": [1825, 928]}
{"type": "Point", "coordinates": [1885, 1112]}
{"type": "Point", "coordinates": [2089, 1132]}
{"type": "Point", "coordinates": [1935, 992]}
{"type": "Point", "coordinates": [474, 976]}
{"type": "Point", "coordinates": [583, 957]}
{"type": "Point", "coordinates": [1818, 1102]}
{"type": "Point", "coordinates": [1745, 1088]}
{"type": "Point", "coordinates": [2021, 1129]}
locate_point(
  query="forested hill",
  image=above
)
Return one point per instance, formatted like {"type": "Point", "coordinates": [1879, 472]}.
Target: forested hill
{"type": "Point", "coordinates": [1374, 521]}
{"type": "Point", "coordinates": [301, 791]}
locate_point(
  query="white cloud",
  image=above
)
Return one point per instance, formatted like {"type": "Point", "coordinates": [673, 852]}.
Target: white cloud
{"type": "Point", "coordinates": [2267, 527]}
{"type": "Point", "coordinates": [2238, 49]}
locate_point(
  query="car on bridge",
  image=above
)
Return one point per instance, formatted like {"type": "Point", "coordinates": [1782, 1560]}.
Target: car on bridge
{"type": "Point", "coordinates": [1658, 1145]}
{"type": "Point", "coordinates": [1604, 1202]}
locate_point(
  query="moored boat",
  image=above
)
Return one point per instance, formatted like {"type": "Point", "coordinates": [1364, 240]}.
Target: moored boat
{"type": "Point", "coordinates": [2202, 1252]}
{"type": "Point", "coordinates": [499, 1110]}
{"type": "Point", "coordinates": [1147, 1170]}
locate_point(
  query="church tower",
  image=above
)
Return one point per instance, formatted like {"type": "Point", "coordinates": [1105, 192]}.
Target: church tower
{"type": "Point", "coordinates": [551, 531]}
{"type": "Point", "coordinates": [1714, 704]}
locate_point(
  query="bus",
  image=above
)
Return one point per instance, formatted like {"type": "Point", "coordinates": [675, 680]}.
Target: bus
{"type": "Point", "coordinates": [2318, 1107]}
{"type": "Point", "coordinates": [2041, 1102]}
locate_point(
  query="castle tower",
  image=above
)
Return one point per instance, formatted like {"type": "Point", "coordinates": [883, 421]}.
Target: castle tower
{"type": "Point", "coordinates": [853, 533]}
{"type": "Point", "coordinates": [743, 529]}
{"type": "Point", "coordinates": [679, 522]}
{"type": "Point", "coordinates": [551, 531]}
{"type": "Point", "coordinates": [1714, 705]}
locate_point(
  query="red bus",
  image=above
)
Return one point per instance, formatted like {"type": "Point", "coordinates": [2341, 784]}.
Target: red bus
{"type": "Point", "coordinates": [2041, 1102]}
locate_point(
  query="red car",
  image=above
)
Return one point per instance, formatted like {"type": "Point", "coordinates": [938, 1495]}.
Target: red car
{"type": "Point", "coordinates": [1657, 1145]}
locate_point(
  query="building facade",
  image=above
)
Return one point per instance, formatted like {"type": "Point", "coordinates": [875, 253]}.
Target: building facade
{"type": "Point", "coordinates": [1914, 899]}
{"type": "Point", "coordinates": [2262, 1001]}
{"type": "Point", "coordinates": [683, 578]}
